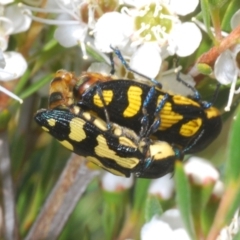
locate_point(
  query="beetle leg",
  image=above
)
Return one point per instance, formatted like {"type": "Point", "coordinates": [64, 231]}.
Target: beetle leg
{"type": "Point", "coordinates": [125, 64]}
{"type": "Point", "coordinates": [99, 91]}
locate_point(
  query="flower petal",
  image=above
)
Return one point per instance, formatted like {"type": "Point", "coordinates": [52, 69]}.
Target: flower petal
{"type": "Point", "coordinates": [201, 171]}
{"type": "Point", "coordinates": [16, 65]}
{"type": "Point", "coordinates": [170, 83]}
{"type": "Point", "coordinates": [70, 35]}
{"type": "Point", "coordinates": [114, 183]}
{"type": "Point", "coordinates": [186, 37]}
{"type": "Point", "coordinates": [147, 60]}
{"type": "Point", "coordinates": [173, 218]}
{"type": "Point", "coordinates": [2, 60]}
{"type": "Point", "coordinates": [183, 7]}
{"type": "Point", "coordinates": [112, 29]}
{"type": "Point", "coordinates": [162, 187]}
{"type": "Point", "coordinates": [235, 20]}
{"type": "Point", "coordinates": [3, 42]}
{"type": "Point", "coordinates": [100, 67]}
{"type": "Point", "coordinates": [5, 2]}
{"type": "Point", "coordinates": [225, 69]}
{"type": "Point", "coordinates": [155, 230]}
{"type": "Point", "coordinates": [181, 234]}
{"type": "Point", "coordinates": [21, 21]}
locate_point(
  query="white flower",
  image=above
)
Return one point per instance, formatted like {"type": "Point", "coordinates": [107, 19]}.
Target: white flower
{"type": "Point", "coordinates": [180, 39]}
{"type": "Point", "coordinates": [167, 227]}
{"type": "Point", "coordinates": [152, 27]}
{"type": "Point", "coordinates": [72, 35]}
{"type": "Point", "coordinates": [218, 189]}
{"type": "Point", "coordinates": [226, 67]}
{"type": "Point", "coordinates": [71, 30]}
{"type": "Point", "coordinates": [113, 29]}
{"type": "Point", "coordinates": [12, 66]}
{"type": "Point", "coordinates": [15, 67]}
{"type": "Point", "coordinates": [114, 183]}
{"type": "Point", "coordinates": [20, 21]}
{"type": "Point", "coordinates": [183, 7]}
{"type": "Point", "coordinates": [201, 171]}
{"type": "Point", "coordinates": [5, 2]}
{"type": "Point", "coordinates": [13, 21]}
{"type": "Point", "coordinates": [139, 59]}
{"type": "Point", "coordinates": [162, 187]}
{"type": "Point", "coordinates": [226, 71]}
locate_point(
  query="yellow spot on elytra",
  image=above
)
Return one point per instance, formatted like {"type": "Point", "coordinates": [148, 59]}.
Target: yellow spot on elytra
{"type": "Point", "coordinates": [181, 100]}
{"type": "Point", "coordinates": [167, 115]}
{"type": "Point", "coordinates": [98, 163]}
{"type": "Point", "coordinates": [77, 132]}
{"type": "Point", "coordinates": [76, 110]}
{"type": "Point", "coordinates": [212, 112]}
{"type": "Point", "coordinates": [100, 124]}
{"type": "Point", "coordinates": [87, 116]}
{"type": "Point", "coordinates": [51, 122]}
{"type": "Point", "coordinates": [134, 95]}
{"type": "Point", "coordinates": [190, 128]}
{"type": "Point", "coordinates": [107, 96]}
{"type": "Point", "coordinates": [67, 145]}
{"type": "Point", "coordinates": [126, 142]}
{"type": "Point", "coordinates": [103, 150]}
{"type": "Point", "coordinates": [45, 129]}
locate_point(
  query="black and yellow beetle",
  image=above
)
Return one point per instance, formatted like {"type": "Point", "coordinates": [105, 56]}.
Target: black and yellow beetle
{"type": "Point", "coordinates": [118, 150]}
{"type": "Point", "coordinates": [184, 121]}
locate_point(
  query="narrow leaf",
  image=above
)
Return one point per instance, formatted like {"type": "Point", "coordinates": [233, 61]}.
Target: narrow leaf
{"type": "Point", "coordinates": [184, 198]}
{"type": "Point", "coordinates": [233, 156]}
{"type": "Point", "coordinates": [152, 208]}
{"type": "Point", "coordinates": [36, 86]}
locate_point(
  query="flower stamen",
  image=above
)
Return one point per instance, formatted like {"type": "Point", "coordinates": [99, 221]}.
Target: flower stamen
{"type": "Point", "coordinates": [10, 94]}
{"type": "Point", "coordinates": [83, 48]}
{"type": "Point", "coordinates": [231, 94]}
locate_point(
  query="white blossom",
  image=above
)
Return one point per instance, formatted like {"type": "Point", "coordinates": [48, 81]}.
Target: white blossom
{"type": "Point", "coordinates": [167, 227]}
{"type": "Point", "coordinates": [201, 171]}
{"type": "Point", "coordinates": [226, 67]}
{"type": "Point", "coordinates": [162, 187]}
{"type": "Point", "coordinates": [153, 28]}
{"type": "Point", "coordinates": [114, 183]}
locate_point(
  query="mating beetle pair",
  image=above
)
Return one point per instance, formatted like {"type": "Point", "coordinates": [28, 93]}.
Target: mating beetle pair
{"type": "Point", "coordinates": [180, 124]}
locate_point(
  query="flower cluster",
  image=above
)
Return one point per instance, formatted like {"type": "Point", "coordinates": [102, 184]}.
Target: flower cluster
{"type": "Point", "coordinates": [141, 30]}
{"type": "Point", "coordinates": [12, 63]}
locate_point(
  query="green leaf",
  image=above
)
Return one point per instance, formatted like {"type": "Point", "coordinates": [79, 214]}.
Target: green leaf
{"type": "Point", "coordinates": [206, 192]}
{"type": "Point", "coordinates": [208, 214]}
{"type": "Point", "coordinates": [140, 193]}
{"type": "Point", "coordinates": [4, 119]}
{"type": "Point", "coordinates": [113, 212]}
{"type": "Point", "coordinates": [50, 50]}
{"type": "Point", "coordinates": [36, 86]}
{"type": "Point", "coordinates": [23, 80]}
{"type": "Point", "coordinates": [206, 17]}
{"type": "Point", "coordinates": [184, 198]}
{"type": "Point", "coordinates": [230, 199]}
{"type": "Point", "coordinates": [232, 7]}
{"type": "Point", "coordinates": [214, 4]}
{"type": "Point", "coordinates": [233, 156]}
{"type": "Point", "coordinates": [152, 208]}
